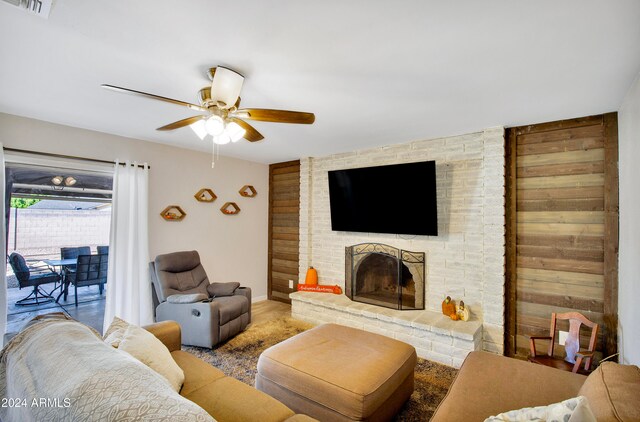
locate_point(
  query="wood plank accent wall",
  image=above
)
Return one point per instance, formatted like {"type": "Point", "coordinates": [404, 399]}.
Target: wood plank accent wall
{"type": "Point", "coordinates": [562, 228]}
{"type": "Point", "coordinates": [284, 217]}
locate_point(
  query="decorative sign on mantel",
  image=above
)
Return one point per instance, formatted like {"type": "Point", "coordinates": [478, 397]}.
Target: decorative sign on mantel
{"type": "Point", "coordinates": [319, 288]}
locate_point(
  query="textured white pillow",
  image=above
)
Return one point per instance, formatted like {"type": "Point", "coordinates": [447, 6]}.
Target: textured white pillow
{"type": "Point", "coordinates": [145, 347]}
{"type": "Point", "coordinates": [115, 332]}
{"type": "Point", "coordinates": [571, 410]}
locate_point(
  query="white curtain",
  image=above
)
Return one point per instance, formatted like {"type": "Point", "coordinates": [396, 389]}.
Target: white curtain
{"type": "Point", "coordinates": [3, 241]}
{"type": "Point", "coordinates": [128, 284]}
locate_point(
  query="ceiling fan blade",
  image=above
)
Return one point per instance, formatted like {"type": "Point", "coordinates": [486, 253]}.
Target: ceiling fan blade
{"type": "Point", "coordinates": [251, 134]}
{"type": "Point", "coordinates": [181, 123]}
{"type": "Point", "coordinates": [278, 116]}
{"type": "Point", "coordinates": [153, 97]}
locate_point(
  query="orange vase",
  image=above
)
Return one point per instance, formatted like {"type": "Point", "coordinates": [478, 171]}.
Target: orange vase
{"type": "Point", "coordinates": [312, 276]}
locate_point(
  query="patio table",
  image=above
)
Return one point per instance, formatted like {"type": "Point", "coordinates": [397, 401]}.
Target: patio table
{"type": "Point", "coordinates": [71, 262]}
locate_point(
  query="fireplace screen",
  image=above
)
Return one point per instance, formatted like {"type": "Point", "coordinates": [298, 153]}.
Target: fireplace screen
{"type": "Point", "coordinates": [382, 275]}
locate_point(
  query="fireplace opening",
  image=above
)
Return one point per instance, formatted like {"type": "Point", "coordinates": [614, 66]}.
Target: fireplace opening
{"type": "Point", "coordinates": [385, 276]}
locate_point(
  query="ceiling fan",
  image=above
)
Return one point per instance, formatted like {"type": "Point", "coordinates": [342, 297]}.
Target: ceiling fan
{"type": "Point", "coordinates": [220, 102]}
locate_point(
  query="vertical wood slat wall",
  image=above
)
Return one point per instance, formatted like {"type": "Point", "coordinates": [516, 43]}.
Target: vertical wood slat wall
{"type": "Point", "coordinates": [284, 218]}
{"type": "Point", "coordinates": [562, 216]}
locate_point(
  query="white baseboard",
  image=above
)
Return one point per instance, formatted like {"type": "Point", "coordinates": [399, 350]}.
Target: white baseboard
{"type": "Point", "coordinates": [258, 298]}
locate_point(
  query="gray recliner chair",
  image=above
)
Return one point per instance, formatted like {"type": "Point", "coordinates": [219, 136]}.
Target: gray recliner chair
{"type": "Point", "coordinates": [208, 313]}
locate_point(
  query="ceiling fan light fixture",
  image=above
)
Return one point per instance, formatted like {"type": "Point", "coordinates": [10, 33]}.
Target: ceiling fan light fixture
{"type": "Point", "coordinates": [214, 125]}
{"type": "Point", "coordinates": [57, 180]}
{"type": "Point", "coordinates": [199, 129]}
{"type": "Point", "coordinates": [70, 181]}
{"type": "Point", "coordinates": [222, 139]}
{"type": "Point", "coordinates": [235, 131]}
{"type": "Point", "coordinates": [225, 87]}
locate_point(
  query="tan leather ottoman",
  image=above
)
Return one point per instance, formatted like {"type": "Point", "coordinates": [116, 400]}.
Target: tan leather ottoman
{"type": "Point", "coordinates": [337, 373]}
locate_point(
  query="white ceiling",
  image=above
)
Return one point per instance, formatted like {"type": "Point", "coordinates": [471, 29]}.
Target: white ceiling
{"type": "Point", "coordinates": [374, 72]}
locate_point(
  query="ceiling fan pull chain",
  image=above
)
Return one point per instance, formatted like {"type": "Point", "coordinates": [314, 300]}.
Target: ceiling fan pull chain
{"type": "Point", "coordinates": [213, 154]}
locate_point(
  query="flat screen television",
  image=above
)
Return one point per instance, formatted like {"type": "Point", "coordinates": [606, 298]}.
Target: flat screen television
{"type": "Point", "coordinates": [398, 199]}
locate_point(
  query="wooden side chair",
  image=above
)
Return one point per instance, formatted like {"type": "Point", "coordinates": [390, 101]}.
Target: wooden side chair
{"type": "Point", "coordinates": [575, 321]}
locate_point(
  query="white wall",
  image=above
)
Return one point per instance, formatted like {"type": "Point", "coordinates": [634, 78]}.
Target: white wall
{"type": "Point", "coordinates": [466, 259]}
{"type": "Point", "coordinates": [629, 256]}
{"type": "Point", "coordinates": [231, 247]}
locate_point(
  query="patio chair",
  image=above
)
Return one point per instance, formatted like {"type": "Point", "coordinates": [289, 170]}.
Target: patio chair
{"type": "Point", "coordinates": [103, 250]}
{"type": "Point", "coordinates": [74, 252]}
{"type": "Point", "coordinates": [90, 270]}
{"type": "Point", "coordinates": [32, 277]}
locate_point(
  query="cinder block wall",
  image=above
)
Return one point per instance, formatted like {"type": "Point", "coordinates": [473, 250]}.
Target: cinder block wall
{"type": "Point", "coordinates": [465, 261]}
{"type": "Point", "coordinates": [41, 232]}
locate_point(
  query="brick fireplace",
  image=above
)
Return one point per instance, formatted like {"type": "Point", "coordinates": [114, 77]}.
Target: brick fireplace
{"type": "Point", "coordinates": [465, 261]}
{"type": "Point", "coordinates": [382, 275]}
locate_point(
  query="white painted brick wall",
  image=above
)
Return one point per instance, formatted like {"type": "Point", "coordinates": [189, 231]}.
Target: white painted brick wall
{"type": "Point", "coordinates": [466, 260]}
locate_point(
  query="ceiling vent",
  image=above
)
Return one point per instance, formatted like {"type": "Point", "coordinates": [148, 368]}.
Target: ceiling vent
{"type": "Point", "coordinates": [36, 7]}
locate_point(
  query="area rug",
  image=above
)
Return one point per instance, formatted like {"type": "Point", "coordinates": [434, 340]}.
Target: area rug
{"type": "Point", "coordinates": [238, 358]}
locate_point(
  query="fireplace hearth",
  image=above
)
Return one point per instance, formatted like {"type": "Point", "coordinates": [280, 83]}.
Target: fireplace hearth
{"type": "Point", "coordinates": [382, 275]}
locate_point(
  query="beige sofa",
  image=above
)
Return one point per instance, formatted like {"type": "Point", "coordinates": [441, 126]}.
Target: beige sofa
{"type": "Point", "coordinates": [59, 369]}
{"type": "Point", "coordinates": [224, 398]}
{"type": "Point", "coordinates": [489, 384]}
